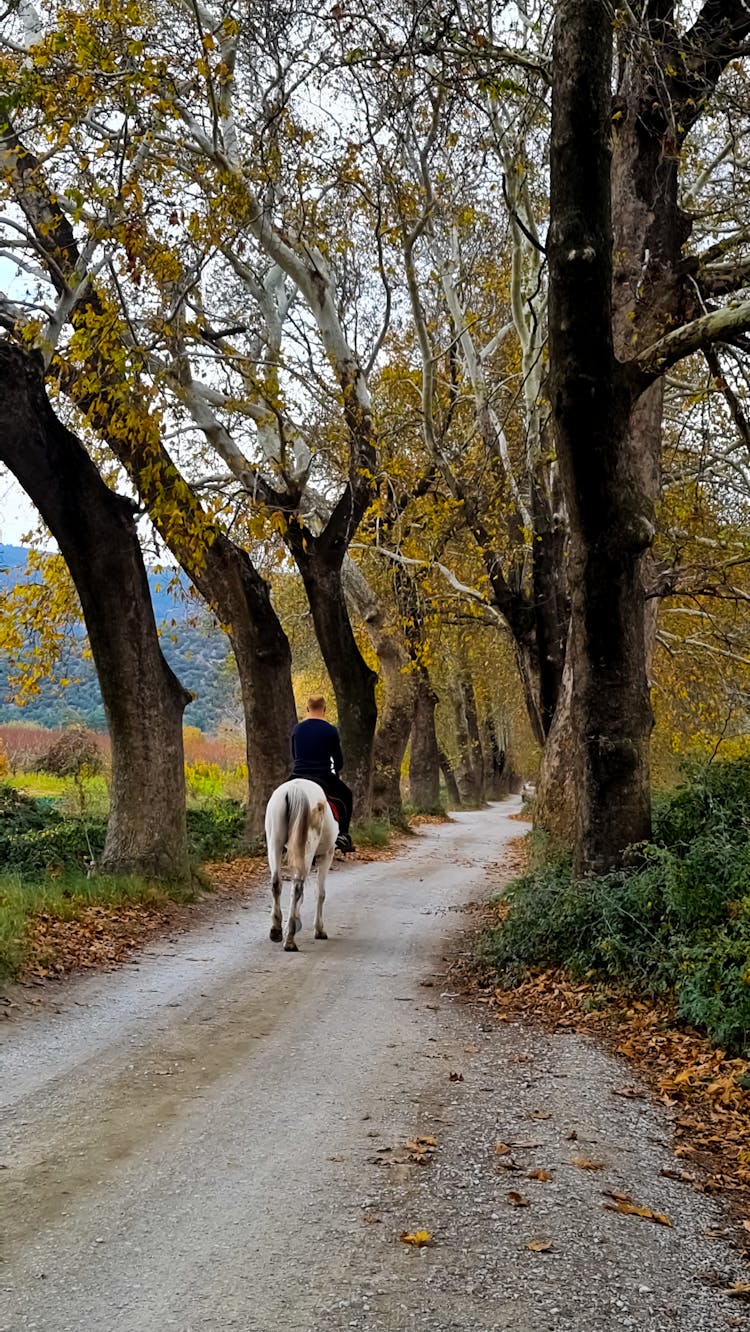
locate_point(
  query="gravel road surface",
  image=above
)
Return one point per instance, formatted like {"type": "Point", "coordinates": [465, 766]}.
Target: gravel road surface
{"type": "Point", "coordinates": [213, 1138]}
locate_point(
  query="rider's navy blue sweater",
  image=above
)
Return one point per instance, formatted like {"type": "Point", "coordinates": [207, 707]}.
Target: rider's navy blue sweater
{"type": "Point", "coordinates": [316, 748]}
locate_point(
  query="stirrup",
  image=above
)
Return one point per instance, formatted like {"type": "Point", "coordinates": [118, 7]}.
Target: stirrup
{"type": "Point", "coordinates": [344, 842]}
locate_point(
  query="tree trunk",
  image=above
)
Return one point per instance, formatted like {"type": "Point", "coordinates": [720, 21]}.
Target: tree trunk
{"type": "Point", "coordinates": [451, 785]}
{"type": "Point", "coordinates": [241, 598]}
{"type": "Point", "coordinates": [424, 760]}
{"type": "Point", "coordinates": [555, 803]}
{"type": "Point", "coordinates": [475, 756]}
{"type": "Point", "coordinates": [468, 772]}
{"type": "Point", "coordinates": [591, 401]}
{"type": "Point", "coordinates": [143, 700]}
{"type": "Point", "coordinates": [226, 578]}
{"type": "Point", "coordinates": [550, 594]}
{"type": "Point", "coordinates": [394, 720]}
{"type": "Point", "coordinates": [353, 681]}
{"type": "Point", "coordinates": [496, 764]}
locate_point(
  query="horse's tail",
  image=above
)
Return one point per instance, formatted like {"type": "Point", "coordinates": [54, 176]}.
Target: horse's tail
{"type": "Point", "coordinates": [302, 817]}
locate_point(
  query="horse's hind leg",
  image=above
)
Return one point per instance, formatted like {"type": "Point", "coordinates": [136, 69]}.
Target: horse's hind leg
{"type": "Point", "coordinates": [275, 840]}
{"type": "Point", "coordinates": [293, 923]}
{"type": "Point", "coordinates": [276, 934]}
{"type": "Point", "coordinates": [324, 864]}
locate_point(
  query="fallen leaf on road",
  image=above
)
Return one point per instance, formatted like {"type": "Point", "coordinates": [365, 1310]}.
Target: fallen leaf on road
{"type": "Point", "coordinates": [501, 1149]}
{"type": "Point", "coordinates": [517, 1199]}
{"type": "Point", "coordinates": [739, 1290]}
{"type": "Point", "coordinates": [419, 1238]}
{"type": "Point", "coordinates": [542, 1175]}
{"type": "Point", "coordinates": [371, 1218]}
{"type": "Point", "coordinates": [539, 1114]}
{"type": "Point", "coordinates": [584, 1163]}
{"type": "Point", "coordinates": [526, 1143]}
{"type": "Point", "coordinates": [471, 1049]}
{"type": "Point", "coordinates": [622, 1203]}
{"type": "Point", "coordinates": [539, 1246]}
{"type": "Point", "coordinates": [683, 1175]}
{"type": "Point", "coordinates": [456, 1077]}
{"type": "Point", "coordinates": [421, 1149]}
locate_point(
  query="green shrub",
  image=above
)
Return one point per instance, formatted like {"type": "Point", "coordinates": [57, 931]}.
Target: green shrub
{"type": "Point", "coordinates": [714, 990]}
{"type": "Point", "coordinates": [19, 813]}
{"type": "Point", "coordinates": [64, 843]}
{"type": "Point", "coordinates": [678, 921]}
{"type": "Point", "coordinates": [34, 836]}
{"type": "Point", "coordinates": [215, 831]}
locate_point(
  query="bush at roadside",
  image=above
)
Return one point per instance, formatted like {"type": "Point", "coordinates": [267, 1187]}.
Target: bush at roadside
{"type": "Point", "coordinates": [677, 921]}
{"type": "Point", "coordinates": [35, 838]}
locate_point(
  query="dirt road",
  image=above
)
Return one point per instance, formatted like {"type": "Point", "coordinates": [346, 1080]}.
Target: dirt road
{"type": "Point", "coordinates": [213, 1139]}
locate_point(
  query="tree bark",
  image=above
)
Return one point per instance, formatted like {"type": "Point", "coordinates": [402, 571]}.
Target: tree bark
{"type": "Point", "coordinates": [663, 85]}
{"type": "Point", "coordinates": [475, 755]}
{"type": "Point", "coordinates": [143, 700]}
{"type": "Point", "coordinates": [395, 717]}
{"type": "Point", "coordinates": [241, 598]}
{"type": "Point", "coordinates": [424, 760]}
{"type": "Point", "coordinates": [352, 679]}
{"type": "Point", "coordinates": [468, 770]}
{"type": "Point", "coordinates": [497, 762]}
{"type": "Point", "coordinates": [555, 803]}
{"type": "Point", "coordinates": [451, 785]}
{"type": "Point", "coordinates": [591, 402]}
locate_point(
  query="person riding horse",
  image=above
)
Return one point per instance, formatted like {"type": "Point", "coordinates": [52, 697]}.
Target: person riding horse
{"type": "Point", "coordinates": [316, 754]}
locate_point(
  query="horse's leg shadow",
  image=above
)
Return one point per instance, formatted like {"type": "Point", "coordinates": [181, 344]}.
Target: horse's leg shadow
{"type": "Point", "coordinates": [276, 933]}
{"type": "Point", "coordinates": [294, 924]}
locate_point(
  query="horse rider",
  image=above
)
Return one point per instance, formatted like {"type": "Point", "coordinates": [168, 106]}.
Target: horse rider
{"type": "Point", "coordinates": [316, 754]}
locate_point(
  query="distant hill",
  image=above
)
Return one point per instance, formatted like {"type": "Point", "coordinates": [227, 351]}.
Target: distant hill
{"type": "Point", "coordinates": [195, 649]}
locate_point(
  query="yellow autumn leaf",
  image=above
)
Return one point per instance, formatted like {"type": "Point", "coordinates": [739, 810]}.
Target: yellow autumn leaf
{"type": "Point", "coordinates": [621, 1202]}
{"type": "Point", "coordinates": [418, 1238]}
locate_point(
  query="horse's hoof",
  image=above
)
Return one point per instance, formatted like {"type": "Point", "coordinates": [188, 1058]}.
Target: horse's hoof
{"type": "Point", "coordinates": [276, 936]}
{"type": "Point", "coordinates": [296, 926]}
{"type": "Point", "coordinates": [290, 946]}
{"type": "Point", "coordinates": [320, 934]}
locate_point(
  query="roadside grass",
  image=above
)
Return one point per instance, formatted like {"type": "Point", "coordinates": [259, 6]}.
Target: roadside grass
{"type": "Point", "coordinates": [375, 832]}
{"type": "Point", "coordinates": [24, 900]}
{"type": "Point", "coordinates": [673, 925]}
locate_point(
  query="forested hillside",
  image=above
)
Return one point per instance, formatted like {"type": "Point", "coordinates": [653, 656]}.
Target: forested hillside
{"type": "Point", "coordinates": [194, 648]}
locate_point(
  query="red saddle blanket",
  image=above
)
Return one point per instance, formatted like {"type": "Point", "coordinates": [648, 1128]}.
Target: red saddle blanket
{"type": "Point", "coordinates": [335, 808]}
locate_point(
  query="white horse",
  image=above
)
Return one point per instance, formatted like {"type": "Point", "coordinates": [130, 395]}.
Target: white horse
{"type": "Point", "coordinates": [298, 815]}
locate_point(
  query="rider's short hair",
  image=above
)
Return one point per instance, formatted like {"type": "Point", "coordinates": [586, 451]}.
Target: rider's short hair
{"type": "Point", "coordinates": [315, 703]}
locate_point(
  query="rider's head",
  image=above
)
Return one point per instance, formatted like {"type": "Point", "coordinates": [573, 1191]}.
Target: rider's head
{"type": "Point", "coordinates": [316, 705]}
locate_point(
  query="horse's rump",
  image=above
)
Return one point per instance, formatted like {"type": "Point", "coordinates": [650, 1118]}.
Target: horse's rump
{"type": "Point", "coordinates": [303, 817]}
